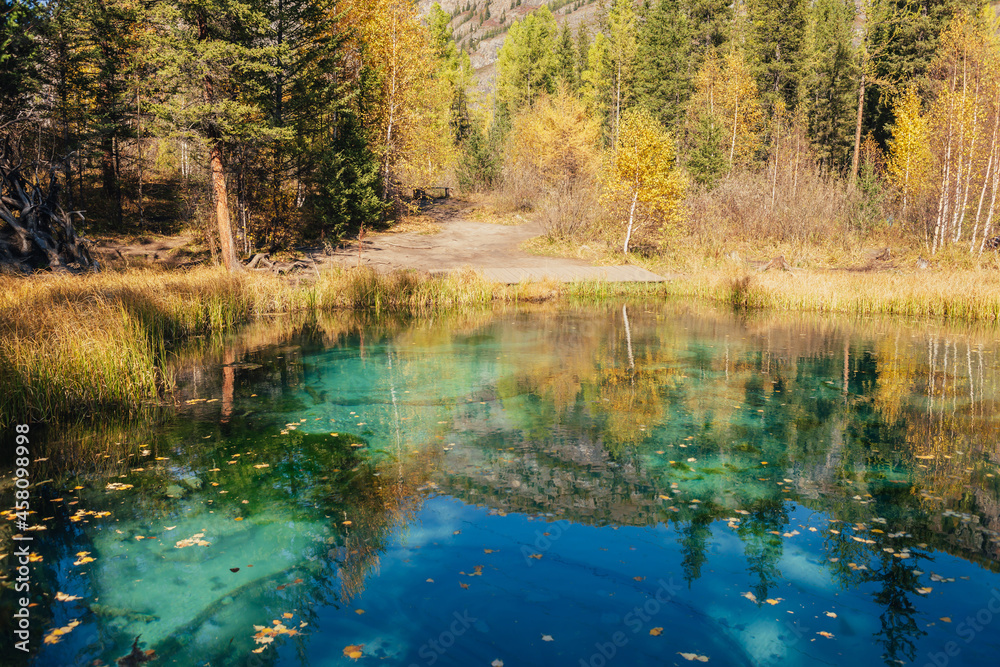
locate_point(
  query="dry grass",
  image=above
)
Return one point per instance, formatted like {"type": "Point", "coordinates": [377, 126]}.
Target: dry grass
{"type": "Point", "coordinates": [79, 344]}
{"type": "Point", "coordinates": [962, 295]}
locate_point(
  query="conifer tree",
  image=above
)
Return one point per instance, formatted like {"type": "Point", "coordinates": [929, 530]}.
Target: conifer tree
{"type": "Point", "coordinates": [663, 79]}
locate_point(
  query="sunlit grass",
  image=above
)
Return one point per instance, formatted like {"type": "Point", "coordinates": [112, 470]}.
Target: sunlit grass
{"type": "Point", "coordinates": [961, 295]}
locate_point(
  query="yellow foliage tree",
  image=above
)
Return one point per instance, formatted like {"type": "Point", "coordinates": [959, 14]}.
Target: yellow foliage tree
{"type": "Point", "coordinates": [641, 170]}
{"type": "Point", "coordinates": [556, 140]}
{"type": "Point", "coordinates": [408, 113]}
{"type": "Point", "coordinates": [909, 166]}
{"type": "Point", "coordinates": [725, 88]}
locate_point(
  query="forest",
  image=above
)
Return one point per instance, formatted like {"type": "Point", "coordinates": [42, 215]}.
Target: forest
{"type": "Point", "coordinates": [660, 128]}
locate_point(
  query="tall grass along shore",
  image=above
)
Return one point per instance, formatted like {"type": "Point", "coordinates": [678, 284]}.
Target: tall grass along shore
{"type": "Point", "coordinates": [78, 344]}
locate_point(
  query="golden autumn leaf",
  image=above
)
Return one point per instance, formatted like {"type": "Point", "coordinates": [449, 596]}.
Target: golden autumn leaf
{"type": "Point", "coordinates": [693, 656]}
{"type": "Point", "coordinates": [656, 632]}
{"type": "Point", "coordinates": [353, 651]}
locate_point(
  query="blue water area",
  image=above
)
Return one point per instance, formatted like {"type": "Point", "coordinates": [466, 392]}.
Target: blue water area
{"type": "Point", "coordinates": [642, 484]}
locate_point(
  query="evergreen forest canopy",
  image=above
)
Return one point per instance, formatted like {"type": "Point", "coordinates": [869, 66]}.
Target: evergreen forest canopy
{"type": "Point", "coordinates": [269, 122]}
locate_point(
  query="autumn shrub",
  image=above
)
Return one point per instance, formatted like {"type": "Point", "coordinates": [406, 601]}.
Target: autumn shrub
{"type": "Point", "coordinates": [552, 163]}
{"type": "Point", "coordinates": [803, 204]}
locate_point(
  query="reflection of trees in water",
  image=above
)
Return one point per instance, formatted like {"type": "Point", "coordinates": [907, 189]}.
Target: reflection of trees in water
{"type": "Point", "coordinates": [867, 424]}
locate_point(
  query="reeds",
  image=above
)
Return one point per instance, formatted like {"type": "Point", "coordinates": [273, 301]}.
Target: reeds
{"type": "Point", "coordinates": [82, 344]}
{"type": "Point", "coordinates": [967, 296]}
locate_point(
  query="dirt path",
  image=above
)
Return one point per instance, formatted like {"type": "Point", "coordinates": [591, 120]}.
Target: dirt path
{"type": "Point", "coordinates": [442, 238]}
{"type": "Point", "coordinates": [452, 242]}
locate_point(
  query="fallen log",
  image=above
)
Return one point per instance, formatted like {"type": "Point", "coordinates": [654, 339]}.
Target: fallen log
{"type": "Point", "coordinates": [35, 232]}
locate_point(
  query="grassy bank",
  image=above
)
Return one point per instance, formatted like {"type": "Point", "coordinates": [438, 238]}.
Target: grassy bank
{"type": "Point", "coordinates": [968, 296]}
{"type": "Point", "coordinates": [78, 344]}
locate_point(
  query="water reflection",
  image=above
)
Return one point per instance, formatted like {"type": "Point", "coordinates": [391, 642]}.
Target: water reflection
{"type": "Point", "coordinates": [776, 461]}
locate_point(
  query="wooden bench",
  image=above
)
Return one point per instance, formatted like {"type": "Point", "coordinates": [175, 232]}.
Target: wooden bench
{"type": "Point", "coordinates": [427, 193]}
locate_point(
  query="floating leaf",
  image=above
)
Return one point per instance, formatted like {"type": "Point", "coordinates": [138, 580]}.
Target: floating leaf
{"type": "Point", "coordinates": [656, 632]}
{"type": "Point", "coordinates": [924, 591]}
{"type": "Point", "coordinates": [83, 557]}
{"type": "Point", "coordinates": [749, 596]}
{"type": "Point", "coordinates": [55, 635]}
{"type": "Point", "coordinates": [693, 656]}
{"type": "Point", "coordinates": [489, 551]}
{"type": "Point", "coordinates": [353, 651]}
{"type": "Point", "coordinates": [464, 585]}
{"type": "Point", "coordinates": [191, 541]}
{"type": "Point", "coordinates": [496, 663]}
{"type": "Point", "coordinates": [773, 601]}
{"type": "Point", "coordinates": [547, 638]}
{"type": "Point", "coordinates": [830, 614]}
{"type": "Point", "coordinates": [62, 597]}
{"type": "Point", "coordinates": [823, 633]}
{"type": "Point", "coordinates": [535, 556]}
{"type": "Point", "coordinates": [287, 615]}
{"type": "Point", "coordinates": [234, 569]}
{"type": "Point", "coordinates": [359, 612]}
{"type": "Point", "coordinates": [946, 619]}
{"type": "Point", "coordinates": [115, 486]}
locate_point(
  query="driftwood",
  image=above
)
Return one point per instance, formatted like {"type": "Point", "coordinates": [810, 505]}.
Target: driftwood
{"type": "Point", "coordinates": [35, 232]}
{"type": "Point", "coordinates": [777, 263]}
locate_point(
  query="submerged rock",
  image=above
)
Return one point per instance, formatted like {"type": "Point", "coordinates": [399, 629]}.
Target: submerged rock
{"type": "Point", "coordinates": [192, 482]}
{"type": "Point", "coordinates": [175, 491]}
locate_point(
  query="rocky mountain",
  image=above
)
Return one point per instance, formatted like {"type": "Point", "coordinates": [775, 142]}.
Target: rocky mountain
{"type": "Point", "coordinates": [480, 26]}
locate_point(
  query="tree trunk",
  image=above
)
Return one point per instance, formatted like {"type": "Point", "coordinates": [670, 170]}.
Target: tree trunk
{"type": "Point", "coordinates": [218, 169]}
{"type": "Point", "coordinates": [631, 218]}
{"type": "Point", "coordinates": [855, 161]}
{"type": "Point", "coordinates": [226, 244]}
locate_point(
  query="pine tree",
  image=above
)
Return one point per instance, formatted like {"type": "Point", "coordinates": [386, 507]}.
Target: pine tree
{"type": "Point", "coordinates": [778, 48]}
{"type": "Point", "coordinates": [831, 82]}
{"type": "Point", "coordinates": [663, 80]}
{"type": "Point", "coordinates": [566, 58]}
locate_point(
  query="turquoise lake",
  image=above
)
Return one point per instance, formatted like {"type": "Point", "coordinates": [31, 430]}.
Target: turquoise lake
{"type": "Point", "coordinates": [633, 484]}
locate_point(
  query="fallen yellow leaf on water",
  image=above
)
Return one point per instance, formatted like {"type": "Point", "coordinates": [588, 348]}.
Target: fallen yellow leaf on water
{"type": "Point", "coordinates": [62, 597]}
{"type": "Point", "coordinates": [496, 663]}
{"type": "Point", "coordinates": [749, 596]}
{"type": "Point", "coordinates": [830, 614]}
{"type": "Point", "coordinates": [488, 551]}
{"type": "Point", "coordinates": [287, 615]}
{"type": "Point", "coordinates": [464, 585]}
{"type": "Point", "coordinates": [638, 578]}
{"type": "Point", "coordinates": [547, 638]}
{"type": "Point", "coordinates": [359, 611]}
{"type": "Point", "coordinates": [823, 633]}
{"type": "Point", "coordinates": [693, 656]}
{"type": "Point", "coordinates": [946, 619]}
{"type": "Point", "coordinates": [353, 651]}
{"type": "Point", "coordinates": [262, 465]}
{"type": "Point", "coordinates": [656, 632]}
{"type": "Point", "coordinates": [924, 591]}
{"type": "Point", "coordinates": [56, 633]}
{"type": "Point", "coordinates": [773, 601]}
{"type": "Point", "coordinates": [169, 527]}
{"type": "Point", "coordinates": [535, 556]}
{"type": "Point", "coordinates": [83, 558]}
